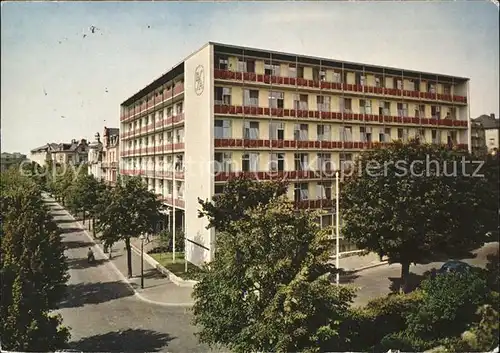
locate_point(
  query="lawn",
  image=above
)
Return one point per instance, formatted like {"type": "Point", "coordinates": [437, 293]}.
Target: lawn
{"type": "Point", "coordinates": [177, 268]}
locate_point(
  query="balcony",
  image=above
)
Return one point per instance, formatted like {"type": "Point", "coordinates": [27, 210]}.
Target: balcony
{"type": "Point", "coordinates": [266, 144]}
{"type": "Point", "coordinates": [157, 125]}
{"type": "Point", "coordinates": [336, 116]}
{"type": "Point", "coordinates": [334, 86]}
{"type": "Point", "coordinates": [166, 96]}
{"type": "Point", "coordinates": [278, 175]}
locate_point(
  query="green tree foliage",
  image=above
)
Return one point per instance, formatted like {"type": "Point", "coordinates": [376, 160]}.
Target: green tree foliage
{"type": "Point", "coordinates": [413, 214]}
{"type": "Point", "coordinates": [167, 240]}
{"type": "Point", "coordinates": [240, 194]}
{"type": "Point", "coordinates": [127, 210]}
{"type": "Point", "coordinates": [33, 269]}
{"type": "Point", "coordinates": [268, 287]}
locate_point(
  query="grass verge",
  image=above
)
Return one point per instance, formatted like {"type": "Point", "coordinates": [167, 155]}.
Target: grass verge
{"type": "Point", "coordinates": [177, 268]}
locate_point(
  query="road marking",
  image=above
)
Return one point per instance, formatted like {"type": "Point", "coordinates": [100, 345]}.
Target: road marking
{"type": "Point", "coordinates": [118, 272]}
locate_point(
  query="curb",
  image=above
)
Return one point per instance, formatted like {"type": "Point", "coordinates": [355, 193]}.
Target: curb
{"type": "Point", "coordinates": [118, 272]}
{"type": "Point", "coordinates": [378, 264]}
{"type": "Point", "coordinates": [173, 277]}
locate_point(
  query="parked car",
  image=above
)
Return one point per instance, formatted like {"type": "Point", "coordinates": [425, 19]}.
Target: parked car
{"type": "Point", "coordinates": [454, 266]}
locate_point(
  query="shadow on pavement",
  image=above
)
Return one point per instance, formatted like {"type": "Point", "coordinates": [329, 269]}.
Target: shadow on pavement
{"type": "Point", "coordinates": [346, 276]}
{"type": "Point", "coordinates": [153, 273]}
{"type": "Point", "coordinates": [82, 263]}
{"type": "Point", "coordinates": [94, 293]}
{"type": "Point", "coordinates": [77, 244]}
{"type": "Point", "coordinates": [60, 221]}
{"type": "Point", "coordinates": [70, 230]}
{"type": "Point", "coordinates": [130, 340]}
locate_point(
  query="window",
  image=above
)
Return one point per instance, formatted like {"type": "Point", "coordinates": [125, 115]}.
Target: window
{"type": "Point", "coordinates": [170, 137]}
{"type": "Point", "coordinates": [323, 132]}
{"type": "Point", "coordinates": [336, 77]}
{"type": "Point", "coordinates": [384, 134]}
{"type": "Point", "coordinates": [222, 63]}
{"type": "Point", "coordinates": [345, 105]}
{"type": "Point", "coordinates": [360, 79]}
{"type": "Point", "coordinates": [251, 98]}
{"type": "Point", "coordinates": [179, 163]}
{"type": "Point", "coordinates": [301, 161]}
{"type": "Point", "coordinates": [420, 111]}
{"type": "Point", "coordinates": [402, 109]}
{"type": "Point", "coordinates": [159, 116]}
{"type": "Point", "coordinates": [179, 108]}
{"type": "Point", "coordinates": [453, 113]}
{"type": "Point", "coordinates": [365, 133]}
{"type": "Point", "coordinates": [435, 112]}
{"type": "Point", "coordinates": [179, 185]}
{"type": "Point", "coordinates": [323, 103]}
{"type": "Point", "coordinates": [322, 75]}
{"type": "Point", "coordinates": [300, 101]}
{"type": "Point", "coordinates": [169, 187]}
{"type": "Point", "coordinates": [223, 95]}
{"type": "Point", "coordinates": [345, 160]}
{"type": "Point", "coordinates": [301, 132]}
{"type": "Point", "coordinates": [222, 129]}
{"type": "Point", "coordinates": [276, 100]}
{"type": "Point", "coordinates": [378, 81]}
{"type": "Point", "coordinates": [160, 161]}
{"type": "Point", "coordinates": [301, 192]}
{"type": "Point", "coordinates": [273, 70]}
{"type": "Point", "coordinates": [277, 162]}
{"type": "Point", "coordinates": [292, 72]}
{"type": "Point", "coordinates": [446, 88]}
{"type": "Point", "coordinates": [400, 134]}
{"type": "Point", "coordinates": [179, 136]}
{"type": "Point", "coordinates": [277, 131]}
{"type": "Point", "coordinates": [324, 190]}
{"type": "Point", "coordinates": [365, 106]}
{"type": "Point", "coordinates": [246, 66]}
{"type": "Point", "coordinates": [432, 88]}
{"type": "Point", "coordinates": [452, 137]}
{"type": "Point", "coordinates": [346, 133]}
{"type": "Point", "coordinates": [324, 161]}
{"type": "Point", "coordinates": [384, 108]}
{"type": "Point", "coordinates": [251, 130]}
{"type": "Point", "coordinates": [223, 161]}
{"type": "Point", "coordinates": [219, 189]}
{"type": "Point", "coordinates": [169, 112]}
{"type": "Point", "coordinates": [421, 134]}
{"type": "Point", "coordinates": [436, 136]}
{"type": "Point", "coordinates": [300, 72]}
{"type": "Point", "coordinates": [250, 162]}
{"type": "Point", "coordinates": [398, 83]}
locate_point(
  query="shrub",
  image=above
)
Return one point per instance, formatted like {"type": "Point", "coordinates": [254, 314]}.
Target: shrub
{"type": "Point", "coordinates": [166, 240]}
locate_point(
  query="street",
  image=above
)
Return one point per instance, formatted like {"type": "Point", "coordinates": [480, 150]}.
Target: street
{"type": "Point", "coordinates": [102, 312]}
{"type": "Point", "coordinates": [377, 281]}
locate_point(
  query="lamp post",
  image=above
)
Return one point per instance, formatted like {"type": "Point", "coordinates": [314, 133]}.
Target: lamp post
{"type": "Point", "coordinates": [142, 237]}
{"type": "Point", "coordinates": [337, 225]}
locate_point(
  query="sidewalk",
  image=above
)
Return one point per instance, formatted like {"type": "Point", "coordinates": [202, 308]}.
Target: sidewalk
{"type": "Point", "coordinates": [158, 289]}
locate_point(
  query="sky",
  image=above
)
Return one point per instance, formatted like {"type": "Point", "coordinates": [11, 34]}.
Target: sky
{"type": "Point", "coordinates": [53, 66]}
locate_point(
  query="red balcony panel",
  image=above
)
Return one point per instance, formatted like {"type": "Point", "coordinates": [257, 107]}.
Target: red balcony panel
{"type": "Point", "coordinates": [325, 115]}
{"type": "Point", "coordinates": [265, 111]}
{"type": "Point", "coordinates": [238, 75]}
{"type": "Point", "coordinates": [231, 75]}
{"type": "Point", "coordinates": [316, 114]}
{"type": "Point", "coordinates": [293, 143]}
{"type": "Point", "coordinates": [260, 111]}
{"type": "Point", "coordinates": [261, 143]}
{"type": "Point", "coordinates": [251, 76]}
{"type": "Point", "coordinates": [239, 109]}
{"type": "Point", "coordinates": [399, 92]}
{"type": "Point", "coordinates": [246, 76]}
{"type": "Point", "coordinates": [274, 111]}
{"type": "Point", "coordinates": [350, 87]}
{"type": "Point", "coordinates": [267, 143]}
{"type": "Point", "coordinates": [386, 91]}
{"type": "Point", "coordinates": [267, 79]}
{"type": "Point", "coordinates": [286, 112]}
{"type": "Point", "coordinates": [360, 88]}
{"type": "Point", "coordinates": [388, 119]}
{"type": "Point", "coordinates": [310, 83]}
{"type": "Point", "coordinates": [356, 116]}
{"type": "Point", "coordinates": [274, 79]}
{"type": "Point", "coordinates": [293, 112]}
{"type": "Point", "coordinates": [217, 109]}
{"type": "Point", "coordinates": [317, 144]}
{"type": "Point", "coordinates": [326, 85]}
{"type": "Point", "coordinates": [299, 113]}
{"type": "Point", "coordinates": [217, 74]}
{"type": "Point", "coordinates": [260, 78]}
{"type": "Point", "coordinates": [309, 113]}
{"type": "Point", "coordinates": [415, 120]}
{"type": "Point", "coordinates": [280, 112]}
{"type": "Point", "coordinates": [253, 110]}
{"type": "Point", "coordinates": [280, 80]}
{"type": "Point", "coordinates": [246, 110]}
{"type": "Point", "coordinates": [286, 81]}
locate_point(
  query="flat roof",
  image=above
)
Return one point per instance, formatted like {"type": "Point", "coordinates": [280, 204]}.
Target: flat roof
{"type": "Point", "coordinates": [299, 58]}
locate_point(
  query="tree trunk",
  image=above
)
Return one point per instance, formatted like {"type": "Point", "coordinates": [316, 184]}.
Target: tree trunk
{"type": "Point", "coordinates": [129, 257]}
{"type": "Point", "coordinates": [405, 271]}
{"type": "Point", "coordinates": [83, 217]}
{"type": "Point", "coordinates": [93, 227]}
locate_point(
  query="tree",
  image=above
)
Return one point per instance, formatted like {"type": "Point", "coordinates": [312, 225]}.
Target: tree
{"type": "Point", "coordinates": [240, 194]}
{"type": "Point", "coordinates": [128, 210]}
{"type": "Point", "coordinates": [33, 269]}
{"type": "Point", "coordinates": [399, 203]}
{"type": "Point", "coordinates": [268, 288]}
{"type": "Point", "coordinates": [85, 195]}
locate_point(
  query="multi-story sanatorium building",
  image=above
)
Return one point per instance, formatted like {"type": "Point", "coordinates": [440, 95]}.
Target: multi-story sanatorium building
{"type": "Point", "coordinates": [228, 109]}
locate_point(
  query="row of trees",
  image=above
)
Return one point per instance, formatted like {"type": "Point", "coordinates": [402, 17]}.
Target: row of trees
{"type": "Point", "coordinates": [115, 213]}
{"type": "Point", "coordinates": [268, 288]}
{"type": "Point", "coordinates": [32, 266]}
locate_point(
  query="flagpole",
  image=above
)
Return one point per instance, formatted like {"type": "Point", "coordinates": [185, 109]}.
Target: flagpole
{"type": "Point", "coordinates": [337, 226]}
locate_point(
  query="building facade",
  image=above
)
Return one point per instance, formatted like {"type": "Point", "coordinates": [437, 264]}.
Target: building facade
{"type": "Point", "coordinates": [95, 157]}
{"type": "Point", "coordinates": [227, 110]}
{"type": "Point", "coordinates": [111, 154]}
{"type": "Point", "coordinates": [485, 133]}
{"type": "Point", "coordinates": [74, 153]}
{"type": "Point", "coordinates": [11, 159]}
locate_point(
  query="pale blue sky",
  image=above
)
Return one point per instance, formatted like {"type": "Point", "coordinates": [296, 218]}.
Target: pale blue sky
{"type": "Point", "coordinates": [457, 38]}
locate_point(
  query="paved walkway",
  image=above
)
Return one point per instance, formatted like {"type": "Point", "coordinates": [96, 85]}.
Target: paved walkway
{"type": "Point", "coordinates": [157, 287]}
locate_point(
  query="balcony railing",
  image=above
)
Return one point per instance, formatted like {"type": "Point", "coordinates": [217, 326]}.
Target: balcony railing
{"type": "Point", "coordinates": [328, 85]}
{"type": "Point", "coordinates": [168, 121]}
{"type": "Point", "coordinates": [167, 95]}
{"type": "Point", "coordinates": [315, 114]}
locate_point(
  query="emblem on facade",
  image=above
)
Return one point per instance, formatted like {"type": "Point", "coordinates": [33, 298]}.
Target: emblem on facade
{"type": "Point", "coordinates": [199, 80]}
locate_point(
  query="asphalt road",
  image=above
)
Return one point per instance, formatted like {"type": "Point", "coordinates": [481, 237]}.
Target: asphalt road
{"type": "Point", "coordinates": [379, 281]}
{"type": "Point", "coordinates": [104, 315]}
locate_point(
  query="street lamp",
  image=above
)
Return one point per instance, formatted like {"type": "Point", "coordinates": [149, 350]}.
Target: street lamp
{"type": "Point", "coordinates": [142, 237]}
{"type": "Point", "coordinates": [337, 225]}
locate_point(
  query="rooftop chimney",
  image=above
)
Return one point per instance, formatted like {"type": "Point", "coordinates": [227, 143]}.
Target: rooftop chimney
{"type": "Point", "coordinates": [492, 115]}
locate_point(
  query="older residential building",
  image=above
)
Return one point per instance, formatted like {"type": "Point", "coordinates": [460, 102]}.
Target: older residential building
{"type": "Point", "coordinates": [227, 110]}
{"type": "Point", "coordinates": [95, 157]}
{"type": "Point", "coordinates": [74, 153]}
{"type": "Point", "coordinates": [111, 154]}
{"type": "Point", "coordinates": [485, 133]}
{"type": "Point", "coordinates": [10, 159]}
